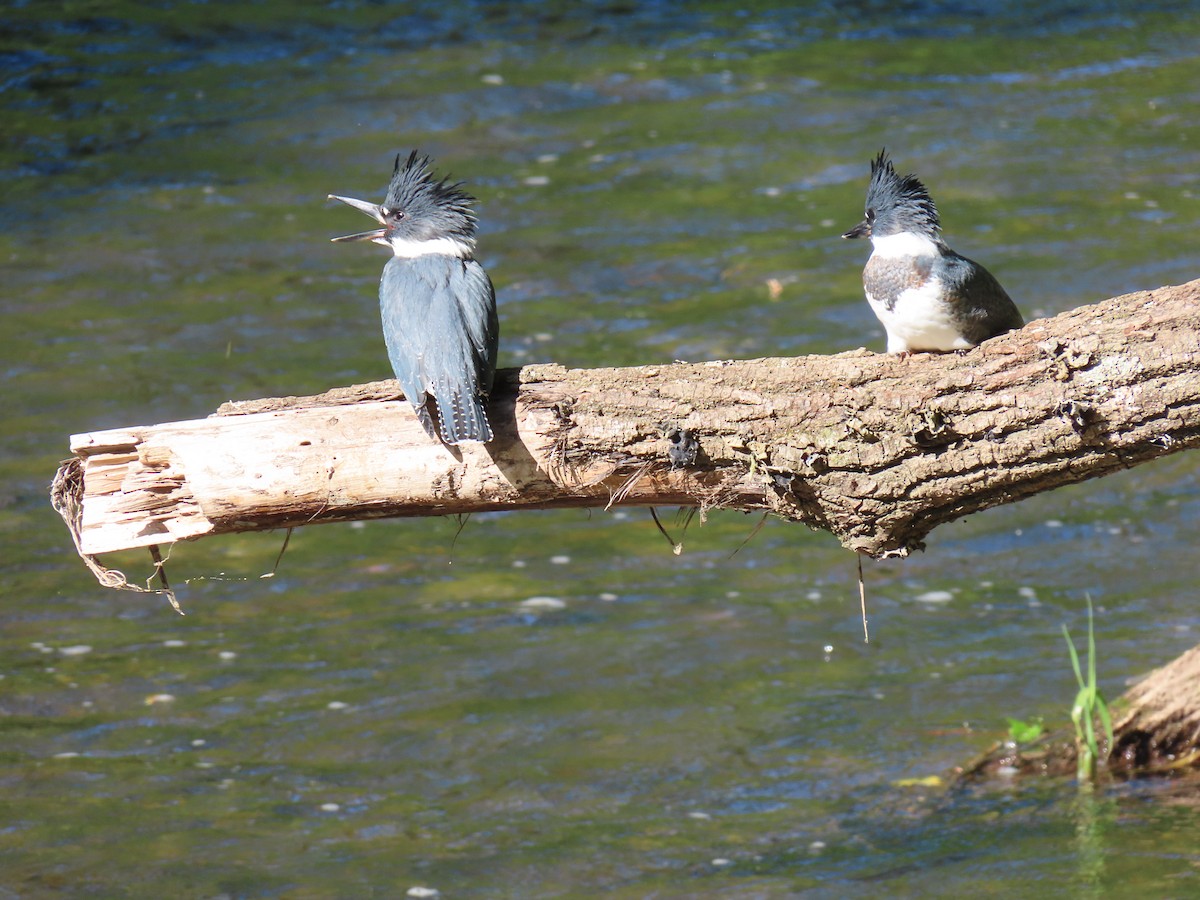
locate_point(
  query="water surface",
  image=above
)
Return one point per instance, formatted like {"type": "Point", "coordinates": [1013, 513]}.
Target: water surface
{"type": "Point", "coordinates": [384, 714]}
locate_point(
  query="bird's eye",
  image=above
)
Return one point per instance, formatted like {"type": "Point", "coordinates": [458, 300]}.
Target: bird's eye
{"type": "Point", "coordinates": [870, 215]}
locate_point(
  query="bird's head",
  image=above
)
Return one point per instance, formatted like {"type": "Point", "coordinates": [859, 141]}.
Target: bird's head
{"type": "Point", "coordinates": [896, 204]}
{"type": "Point", "coordinates": [418, 213]}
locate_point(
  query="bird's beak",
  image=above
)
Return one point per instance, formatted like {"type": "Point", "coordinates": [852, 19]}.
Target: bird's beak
{"type": "Point", "coordinates": [371, 210]}
{"type": "Point", "coordinates": [862, 229]}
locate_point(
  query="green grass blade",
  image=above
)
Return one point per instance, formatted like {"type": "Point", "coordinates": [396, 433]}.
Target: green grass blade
{"type": "Point", "coordinates": [1074, 657]}
{"type": "Point", "coordinates": [1088, 703]}
{"type": "Point", "coordinates": [1091, 643]}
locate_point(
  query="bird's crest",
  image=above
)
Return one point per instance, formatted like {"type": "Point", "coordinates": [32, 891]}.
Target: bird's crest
{"type": "Point", "coordinates": [414, 192]}
{"type": "Point", "coordinates": [899, 203]}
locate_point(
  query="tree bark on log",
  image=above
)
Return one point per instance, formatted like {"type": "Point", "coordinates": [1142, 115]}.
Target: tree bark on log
{"type": "Point", "coordinates": [876, 449]}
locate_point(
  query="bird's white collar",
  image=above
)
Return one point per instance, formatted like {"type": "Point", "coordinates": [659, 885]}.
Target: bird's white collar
{"type": "Point", "coordinates": [437, 246]}
{"type": "Point", "coordinates": [906, 245]}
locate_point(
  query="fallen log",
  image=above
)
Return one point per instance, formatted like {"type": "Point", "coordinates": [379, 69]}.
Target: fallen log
{"type": "Point", "coordinates": [876, 449]}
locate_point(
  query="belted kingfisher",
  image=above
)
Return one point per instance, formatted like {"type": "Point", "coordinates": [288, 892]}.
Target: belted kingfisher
{"type": "Point", "coordinates": [437, 302]}
{"type": "Point", "coordinates": [926, 295]}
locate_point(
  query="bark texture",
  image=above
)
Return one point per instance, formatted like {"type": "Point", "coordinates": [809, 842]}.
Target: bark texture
{"type": "Point", "coordinates": [876, 449]}
{"type": "Point", "coordinates": [1157, 725]}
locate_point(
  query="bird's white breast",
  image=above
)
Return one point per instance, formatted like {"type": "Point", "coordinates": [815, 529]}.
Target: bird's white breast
{"type": "Point", "coordinates": [919, 320]}
{"type": "Point", "coordinates": [920, 317]}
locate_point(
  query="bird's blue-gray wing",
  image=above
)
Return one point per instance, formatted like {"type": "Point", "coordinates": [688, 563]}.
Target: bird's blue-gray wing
{"type": "Point", "coordinates": [440, 326]}
{"type": "Point", "coordinates": [983, 308]}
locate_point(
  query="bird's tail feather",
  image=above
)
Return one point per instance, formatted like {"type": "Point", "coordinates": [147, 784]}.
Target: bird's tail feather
{"type": "Point", "coordinates": [425, 416]}
{"type": "Point", "coordinates": [464, 419]}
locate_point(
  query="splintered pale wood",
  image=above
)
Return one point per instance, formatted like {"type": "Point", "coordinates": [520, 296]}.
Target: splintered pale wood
{"type": "Point", "coordinates": [299, 465]}
{"type": "Point", "coordinates": [879, 450]}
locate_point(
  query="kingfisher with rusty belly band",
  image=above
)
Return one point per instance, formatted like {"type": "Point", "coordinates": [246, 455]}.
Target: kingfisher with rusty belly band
{"type": "Point", "coordinates": [437, 303]}
{"type": "Point", "coordinates": [926, 295]}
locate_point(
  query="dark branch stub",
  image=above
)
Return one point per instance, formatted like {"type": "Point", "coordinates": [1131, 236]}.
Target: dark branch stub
{"type": "Point", "coordinates": [682, 447]}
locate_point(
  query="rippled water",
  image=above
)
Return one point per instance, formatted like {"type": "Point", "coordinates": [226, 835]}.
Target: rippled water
{"type": "Point", "coordinates": [385, 713]}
